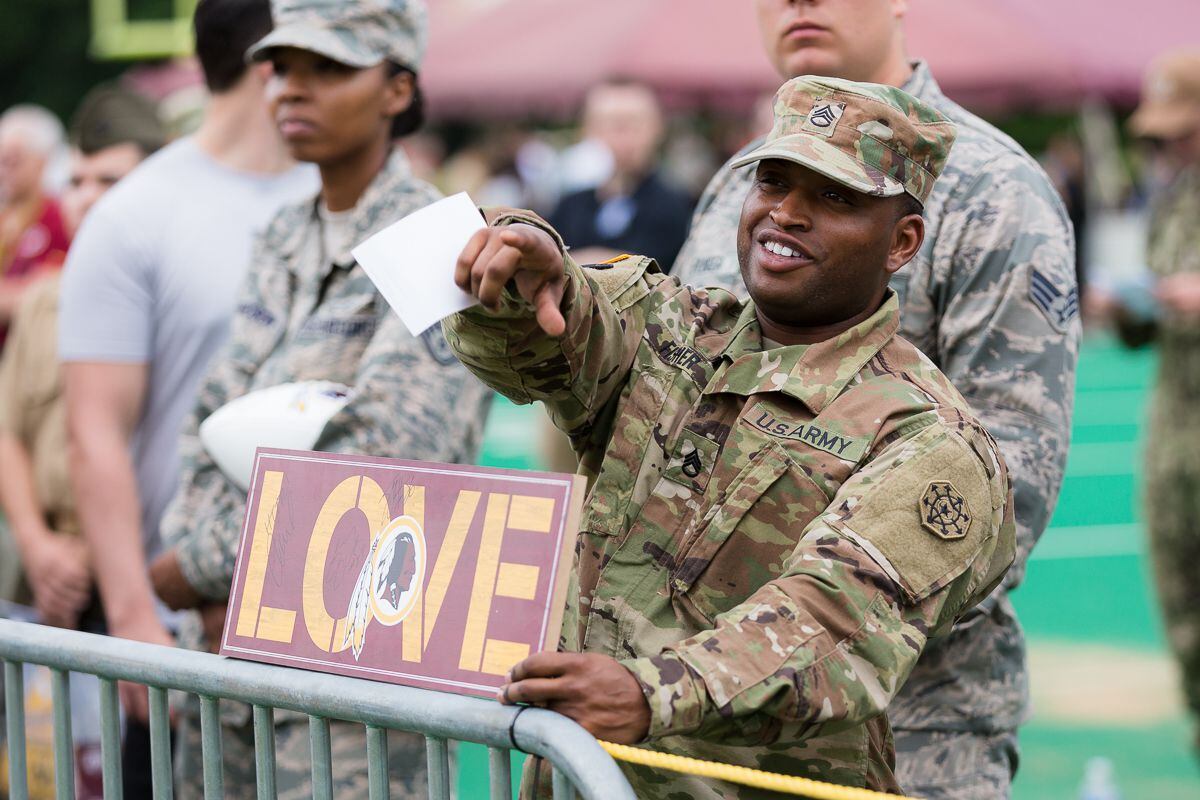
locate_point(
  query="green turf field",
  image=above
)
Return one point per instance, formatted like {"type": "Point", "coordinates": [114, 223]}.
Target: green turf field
{"type": "Point", "coordinates": [1102, 682]}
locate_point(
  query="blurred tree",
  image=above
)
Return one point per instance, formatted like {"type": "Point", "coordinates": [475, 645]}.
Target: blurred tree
{"type": "Point", "coordinates": [44, 54]}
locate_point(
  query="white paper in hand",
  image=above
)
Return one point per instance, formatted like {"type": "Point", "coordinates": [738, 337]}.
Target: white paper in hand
{"type": "Point", "coordinates": [412, 261]}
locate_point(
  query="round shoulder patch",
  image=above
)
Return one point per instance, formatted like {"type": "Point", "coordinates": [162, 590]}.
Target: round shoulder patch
{"type": "Point", "coordinates": [944, 512]}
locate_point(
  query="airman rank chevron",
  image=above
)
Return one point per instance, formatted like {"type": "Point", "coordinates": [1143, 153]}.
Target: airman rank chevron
{"type": "Point", "coordinates": [1058, 306]}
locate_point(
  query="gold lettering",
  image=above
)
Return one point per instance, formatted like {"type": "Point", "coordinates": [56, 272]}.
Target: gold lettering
{"type": "Point", "coordinates": [518, 581]}
{"type": "Point", "coordinates": [485, 582]}
{"type": "Point", "coordinates": [500, 656]}
{"type": "Point", "coordinates": [254, 619]}
{"type": "Point", "coordinates": [410, 629]}
{"type": "Point", "coordinates": [443, 570]}
{"type": "Point", "coordinates": [358, 492]}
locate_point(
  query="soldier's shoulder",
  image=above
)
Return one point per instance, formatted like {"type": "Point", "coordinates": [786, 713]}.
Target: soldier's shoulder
{"type": "Point", "coordinates": [905, 386]}
{"type": "Point", "coordinates": [983, 155]}
{"type": "Point", "coordinates": [614, 276]}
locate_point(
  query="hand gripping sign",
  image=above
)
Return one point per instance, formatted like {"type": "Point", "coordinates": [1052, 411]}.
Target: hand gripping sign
{"type": "Point", "coordinates": [432, 575]}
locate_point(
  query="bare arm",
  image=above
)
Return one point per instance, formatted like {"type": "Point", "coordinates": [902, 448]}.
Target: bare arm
{"type": "Point", "coordinates": [104, 403]}
{"type": "Point", "coordinates": [56, 565]}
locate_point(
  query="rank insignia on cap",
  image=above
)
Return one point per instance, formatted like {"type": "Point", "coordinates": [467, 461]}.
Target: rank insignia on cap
{"type": "Point", "coordinates": [823, 118]}
{"type": "Point", "coordinates": [944, 511]}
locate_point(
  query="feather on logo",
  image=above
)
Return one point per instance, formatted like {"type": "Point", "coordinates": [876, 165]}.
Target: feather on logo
{"type": "Point", "coordinates": [389, 583]}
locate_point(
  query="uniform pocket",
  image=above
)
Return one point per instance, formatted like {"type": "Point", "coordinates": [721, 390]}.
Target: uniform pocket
{"type": "Point", "coordinates": [720, 565]}
{"type": "Point", "coordinates": [632, 459]}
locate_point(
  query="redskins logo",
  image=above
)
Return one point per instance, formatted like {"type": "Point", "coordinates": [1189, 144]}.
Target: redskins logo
{"type": "Point", "coordinates": [944, 512]}
{"type": "Point", "coordinates": [389, 583]}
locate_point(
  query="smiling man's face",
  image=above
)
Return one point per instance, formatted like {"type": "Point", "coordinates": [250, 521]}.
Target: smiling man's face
{"type": "Point", "coordinates": [815, 253]}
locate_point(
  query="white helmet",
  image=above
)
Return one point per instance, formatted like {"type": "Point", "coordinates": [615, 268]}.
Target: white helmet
{"type": "Point", "coordinates": [290, 416]}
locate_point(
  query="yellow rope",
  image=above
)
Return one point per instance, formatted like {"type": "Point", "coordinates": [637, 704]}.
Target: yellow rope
{"type": "Point", "coordinates": [787, 784]}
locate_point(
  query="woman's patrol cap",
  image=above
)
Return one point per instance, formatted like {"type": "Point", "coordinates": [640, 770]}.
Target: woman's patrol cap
{"type": "Point", "coordinates": [877, 139]}
{"type": "Point", "coordinates": [359, 33]}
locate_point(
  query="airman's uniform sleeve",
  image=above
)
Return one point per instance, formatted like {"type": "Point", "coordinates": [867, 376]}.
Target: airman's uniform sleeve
{"type": "Point", "coordinates": [207, 508]}
{"type": "Point", "coordinates": [919, 535]}
{"type": "Point", "coordinates": [578, 373]}
{"type": "Point", "coordinates": [1009, 333]}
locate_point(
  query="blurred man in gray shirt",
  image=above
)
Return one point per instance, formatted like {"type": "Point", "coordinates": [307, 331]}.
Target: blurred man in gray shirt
{"type": "Point", "coordinates": [148, 293]}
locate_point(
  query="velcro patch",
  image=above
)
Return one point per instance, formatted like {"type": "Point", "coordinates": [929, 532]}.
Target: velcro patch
{"type": "Point", "coordinates": [1058, 306]}
{"type": "Point", "coordinates": [824, 117]}
{"type": "Point", "coordinates": [944, 512]}
{"type": "Point", "coordinates": [844, 447]}
{"type": "Point", "coordinates": [679, 355]}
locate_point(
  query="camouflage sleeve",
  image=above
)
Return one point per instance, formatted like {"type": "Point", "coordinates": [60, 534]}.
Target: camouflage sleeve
{"type": "Point", "coordinates": [828, 644]}
{"type": "Point", "coordinates": [576, 374]}
{"type": "Point", "coordinates": [206, 505]}
{"type": "Point", "coordinates": [1009, 333]}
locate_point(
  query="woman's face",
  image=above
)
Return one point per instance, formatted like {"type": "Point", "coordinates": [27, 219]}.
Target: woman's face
{"type": "Point", "coordinates": [327, 111]}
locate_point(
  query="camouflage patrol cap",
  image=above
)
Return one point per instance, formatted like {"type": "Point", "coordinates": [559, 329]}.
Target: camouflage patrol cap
{"type": "Point", "coordinates": [877, 139]}
{"type": "Point", "coordinates": [359, 33]}
{"type": "Point", "coordinates": [1170, 104]}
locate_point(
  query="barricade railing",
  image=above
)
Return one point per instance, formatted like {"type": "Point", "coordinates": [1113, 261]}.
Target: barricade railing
{"type": "Point", "coordinates": [580, 764]}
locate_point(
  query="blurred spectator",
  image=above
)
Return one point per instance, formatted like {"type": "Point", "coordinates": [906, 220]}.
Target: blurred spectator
{"type": "Point", "coordinates": [633, 210]}
{"type": "Point", "coordinates": [1169, 119]}
{"type": "Point", "coordinates": [149, 288]}
{"type": "Point", "coordinates": [990, 296]}
{"type": "Point", "coordinates": [112, 132]}
{"type": "Point", "coordinates": [32, 234]}
{"type": "Point", "coordinates": [344, 88]}
{"type": "Point", "coordinates": [1064, 164]}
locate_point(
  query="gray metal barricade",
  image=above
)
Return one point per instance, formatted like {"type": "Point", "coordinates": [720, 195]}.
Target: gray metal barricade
{"type": "Point", "coordinates": [580, 764]}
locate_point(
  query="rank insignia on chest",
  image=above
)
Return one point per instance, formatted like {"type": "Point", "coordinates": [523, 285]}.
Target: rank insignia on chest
{"type": "Point", "coordinates": [944, 512]}
{"type": "Point", "coordinates": [692, 465]}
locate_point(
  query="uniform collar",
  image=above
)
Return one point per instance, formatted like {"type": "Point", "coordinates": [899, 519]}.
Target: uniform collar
{"type": "Point", "coordinates": [923, 86]}
{"type": "Point", "coordinates": [815, 374]}
{"type": "Point", "coordinates": [367, 212]}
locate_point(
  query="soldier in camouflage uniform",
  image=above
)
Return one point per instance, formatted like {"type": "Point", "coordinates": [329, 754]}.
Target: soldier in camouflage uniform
{"type": "Point", "coordinates": [991, 298]}
{"type": "Point", "coordinates": [344, 86]}
{"type": "Point", "coordinates": [1170, 114]}
{"type": "Point", "coordinates": [788, 500]}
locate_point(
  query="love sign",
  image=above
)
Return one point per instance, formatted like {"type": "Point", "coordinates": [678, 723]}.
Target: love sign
{"type": "Point", "coordinates": [433, 575]}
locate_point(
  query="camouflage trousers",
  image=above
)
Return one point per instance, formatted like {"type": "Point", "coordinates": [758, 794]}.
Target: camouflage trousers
{"type": "Point", "coordinates": [1172, 510]}
{"type": "Point", "coordinates": [293, 761]}
{"type": "Point", "coordinates": [956, 765]}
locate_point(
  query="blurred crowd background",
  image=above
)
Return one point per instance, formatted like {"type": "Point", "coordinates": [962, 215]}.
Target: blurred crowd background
{"type": "Point", "coordinates": [619, 90]}
{"type": "Point", "coordinates": [508, 123]}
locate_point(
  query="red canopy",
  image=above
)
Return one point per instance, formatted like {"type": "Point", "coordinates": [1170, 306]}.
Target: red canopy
{"type": "Point", "coordinates": [522, 57]}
